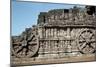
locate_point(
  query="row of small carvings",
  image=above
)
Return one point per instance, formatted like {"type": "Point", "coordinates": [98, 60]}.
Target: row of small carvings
{"type": "Point", "coordinates": [67, 17]}
{"type": "Point", "coordinates": [57, 46]}
{"type": "Point", "coordinates": [59, 32]}
{"type": "Point", "coordinates": [69, 22]}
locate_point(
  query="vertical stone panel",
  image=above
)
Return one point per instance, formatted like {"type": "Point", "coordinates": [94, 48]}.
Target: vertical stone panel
{"type": "Point", "coordinates": [58, 32]}
{"type": "Point", "coordinates": [47, 33]}
{"type": "Point", "coordinates": [51, 32]}
{"type": "Point", "coordinates": [40, 32]}
{"type": "Point", "coordinates": [44, 32]}
{"type": "Point", "coordinates": [55, 33]}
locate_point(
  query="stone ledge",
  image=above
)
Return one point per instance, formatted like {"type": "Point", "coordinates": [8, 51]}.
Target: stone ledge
{"type": "Point", "coordinates": [82, 58]}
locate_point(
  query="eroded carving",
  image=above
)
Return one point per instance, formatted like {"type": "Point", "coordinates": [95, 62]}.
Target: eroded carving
{"type": "Point", "coordinates": [87, 41]}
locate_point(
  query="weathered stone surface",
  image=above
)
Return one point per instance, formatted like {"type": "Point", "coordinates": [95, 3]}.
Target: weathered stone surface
{"type": "Point", "coordinates": [60, 33]}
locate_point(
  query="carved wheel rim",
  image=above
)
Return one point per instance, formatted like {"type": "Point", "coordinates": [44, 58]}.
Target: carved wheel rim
{"type": "Point", "coordinates": [86, 42]}
{"type": "Point", "coordinates": [26, 48]}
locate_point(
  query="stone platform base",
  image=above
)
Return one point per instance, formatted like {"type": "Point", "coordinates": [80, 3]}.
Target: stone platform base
{"type": "Point", "coordinates": [68, 59]}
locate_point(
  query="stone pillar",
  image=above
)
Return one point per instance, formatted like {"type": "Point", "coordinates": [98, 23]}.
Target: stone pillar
{"type": "Point", "coordinates": [44, 32]}
{"type": "Point", "coordinates": [69, 47]}
{"type": "Point", "coordinates": [61, 43]}
{"type": "Point", "coordinates": [68, 31]}
{"type": "Point", "coordinates": [40, 32]}
{"type": "Point", "coordinates": [51, 32]}
{"type": "Point", "coordinates": [58, 32]}
{"type": "Point", "coordinates": [46, 46]}
{"type": "Point", "coordinates": [55, 32]}
{"type": "Point", "coordinates": [52, 48]}
{"type": "Point", "coordinates": [47, 33]}
{"type": "Point", "coordinates": [41, 50]}
{"type": "Point", "coordinates": [69, 40]}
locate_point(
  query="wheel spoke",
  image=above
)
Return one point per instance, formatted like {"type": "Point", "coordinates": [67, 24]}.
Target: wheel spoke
{"type": "Point", "coordinates": [17, 43]}
{"type": "Point", "coordinates": [91, 35]}
{"type": "Point", "coordinates": [91, 49]}
{"type": "Point", "coordinates": [92, 45]}
{"type": "Point", "coordinates": [82, 41]}
{"type": "Point", "coordinates": [82, 37]}
{"type": "Point", "coordinates": [32, 43]}
{"type": "Point", "coordinates": [30, 48]}
{"type": "Point", "coordinates": [20, 53]}
{"type": "Point", "coordinates": [24, 51]}
{"type": "Point", "coordinates": [19, 49]}
{"type": "Point", "coordinates": [93, 40]}
{"type": "Point", "coordinates": [15, 47]}
{"type": "Point", "coordinates": [86, 49]}
{"type": "Point", "coordinates": [83, 46]}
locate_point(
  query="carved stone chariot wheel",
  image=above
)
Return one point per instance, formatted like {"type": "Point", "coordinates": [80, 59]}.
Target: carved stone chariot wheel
{"type": "Point", "coordinates": [87, 42]}
{"type": "Point", "coordinates": [26, 47]}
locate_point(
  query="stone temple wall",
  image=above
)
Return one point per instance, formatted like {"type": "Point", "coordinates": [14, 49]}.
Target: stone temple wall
{"type": "Point", "coordinates": [61, 35]}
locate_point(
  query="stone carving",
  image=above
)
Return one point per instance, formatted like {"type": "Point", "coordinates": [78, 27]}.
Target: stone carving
{"type": "Point", "coordinates": [87, 41]}
{"type": "Point", "coordinates": [27, 47]}
{"type": "Point", "coordinates": [60, 33]}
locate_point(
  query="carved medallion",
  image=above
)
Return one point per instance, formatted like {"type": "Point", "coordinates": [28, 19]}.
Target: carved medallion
{"type": "Point", "coordinates": [26, 47]}
{"type": "Point", "coordinates": [87, 42]}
